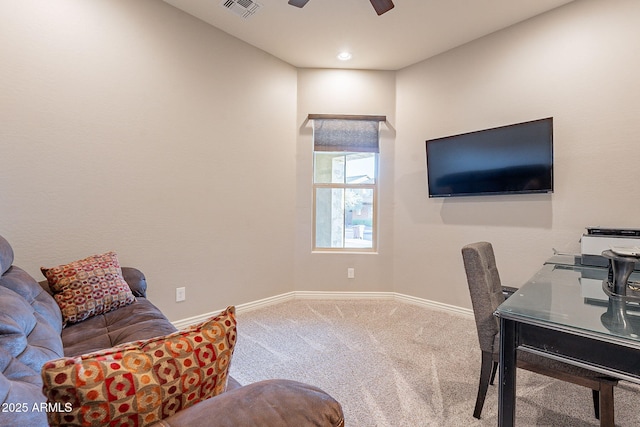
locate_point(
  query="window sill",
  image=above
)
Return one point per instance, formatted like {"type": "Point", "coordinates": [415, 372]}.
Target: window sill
{"type": "Point", "coordinates": [345, 252]}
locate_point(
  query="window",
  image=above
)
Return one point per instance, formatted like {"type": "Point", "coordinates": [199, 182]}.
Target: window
{"type": "Point", "coordinates": [345, 182]}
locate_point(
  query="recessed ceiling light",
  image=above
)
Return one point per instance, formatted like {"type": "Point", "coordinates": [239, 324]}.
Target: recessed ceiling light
{"type": "Point", "coordinates": [344, 56]}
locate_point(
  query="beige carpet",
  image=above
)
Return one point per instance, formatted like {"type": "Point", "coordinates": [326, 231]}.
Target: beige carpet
{"type": "Point", "coordinates": [396, 364]}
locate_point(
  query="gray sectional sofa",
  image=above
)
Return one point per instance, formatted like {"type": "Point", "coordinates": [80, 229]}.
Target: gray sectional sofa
{"type": "Point", "coordinates": [32, 333]}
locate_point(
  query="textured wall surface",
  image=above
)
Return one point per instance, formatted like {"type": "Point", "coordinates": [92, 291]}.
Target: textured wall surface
{"type": "Point", "coordinates": [577, 64]}
{"type": "Point", "coordinates": [344, 92]}
{"type": "Point", "coordinates": [134, 127]}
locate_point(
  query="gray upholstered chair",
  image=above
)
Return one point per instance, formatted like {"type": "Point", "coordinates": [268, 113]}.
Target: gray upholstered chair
{"type": "Point", "coordinates": [486, 295]}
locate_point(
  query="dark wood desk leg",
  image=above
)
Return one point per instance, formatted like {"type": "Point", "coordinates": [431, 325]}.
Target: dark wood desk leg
{"type": "Point", "coordinates": [606, 405]}
{"type": "Point", "coordinates": [507, 389]}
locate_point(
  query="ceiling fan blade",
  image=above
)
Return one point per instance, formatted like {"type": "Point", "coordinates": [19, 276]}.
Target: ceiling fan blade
{"type": "Point", "coordinates": [381, 6]}
{"type": "Point", "coordinates": [298, 3]}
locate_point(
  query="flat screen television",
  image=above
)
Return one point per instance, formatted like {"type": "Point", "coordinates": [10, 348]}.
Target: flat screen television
{"type": "Point", "coordinates": [511, 159]}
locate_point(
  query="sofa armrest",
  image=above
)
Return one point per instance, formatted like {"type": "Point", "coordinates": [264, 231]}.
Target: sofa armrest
{"type": "Point", "coordinates": [270, 403]}
{"type": "Point", "coordinates": [136, 281]}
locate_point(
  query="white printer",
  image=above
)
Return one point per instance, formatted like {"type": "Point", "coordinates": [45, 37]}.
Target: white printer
{"type": "Point", "coordinates": [599, 239]}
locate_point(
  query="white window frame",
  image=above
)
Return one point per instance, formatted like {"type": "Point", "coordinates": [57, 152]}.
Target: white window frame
{"type": "Point", "coordinates": [344, 186]}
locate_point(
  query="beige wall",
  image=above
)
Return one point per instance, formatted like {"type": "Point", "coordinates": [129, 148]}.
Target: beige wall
{"type": "Point", "coordinates": [129, 125]}
{"type": "Point", "coordinates": [344, 92]}
{"type": "Point", "coordinates": [579, 64]}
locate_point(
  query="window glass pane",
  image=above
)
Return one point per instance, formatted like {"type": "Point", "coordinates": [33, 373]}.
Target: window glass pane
{"type": "Point", "coordinates": [344, 212]}
{"type": "Point", "coordinates": [358, 218]}
{"type": "Point", "coordinates": [344, 218]}
{"type": "Point", "coordinates": [329, 217]}
{"type": "Point", "coordinates": [329, 168]}
{"type": "Point", "coordinates": [360, 168]}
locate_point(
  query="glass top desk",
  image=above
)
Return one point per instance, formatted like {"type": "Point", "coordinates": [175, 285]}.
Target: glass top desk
{"type": "Point", "coordinates": [563, 313]}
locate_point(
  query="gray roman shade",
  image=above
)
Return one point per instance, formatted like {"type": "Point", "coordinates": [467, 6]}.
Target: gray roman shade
{"type": "Point", "coordinates": [346, 133]}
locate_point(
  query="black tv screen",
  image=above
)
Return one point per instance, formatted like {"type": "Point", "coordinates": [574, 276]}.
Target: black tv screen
{"type": "Point", "coordinates": [511, 159]}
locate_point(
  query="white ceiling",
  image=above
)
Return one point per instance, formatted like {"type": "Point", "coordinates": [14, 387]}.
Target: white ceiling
{"type": "Point", "coordinates": [414, 30]}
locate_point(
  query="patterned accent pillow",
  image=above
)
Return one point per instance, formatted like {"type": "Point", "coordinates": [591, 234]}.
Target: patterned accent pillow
{"type": "Point", "coordinates": [88, 287]}
{"type": "Point", "coordinates": [142, 382]}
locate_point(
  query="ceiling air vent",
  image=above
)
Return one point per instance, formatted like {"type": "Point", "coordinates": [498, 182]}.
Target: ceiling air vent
{"type": "Point", "coordinates": [242, 8]}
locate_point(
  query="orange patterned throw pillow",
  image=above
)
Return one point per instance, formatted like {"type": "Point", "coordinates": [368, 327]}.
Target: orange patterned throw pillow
{"type": "Point", "coordinates": [88, 287]}
{"type": "Point", "coordinates": [142, 382]}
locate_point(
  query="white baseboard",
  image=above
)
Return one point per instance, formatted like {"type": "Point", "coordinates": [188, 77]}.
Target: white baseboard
{"type": "Point", "coordinates": [342, 295]}
{"type": "Point", "coordinates": [434, 304]}
{"type": "Point", "coordinates": [183, 323]}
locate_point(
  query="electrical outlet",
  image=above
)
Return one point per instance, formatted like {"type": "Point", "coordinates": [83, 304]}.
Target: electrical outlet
{"type": "Point", "coordinates": [351, 273]}
{"type": "Point", "coordinates": [181, 294]}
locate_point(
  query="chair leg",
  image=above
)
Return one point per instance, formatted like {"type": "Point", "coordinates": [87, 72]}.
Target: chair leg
{"type": "Point", "coordinates": [606, 405]}
{"type": "Point", "coordinates": [596, 403]}
{"type": "Point", "coordinates": [494, 369]}
{"type": "Point", "coordinates": [485, 376]}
